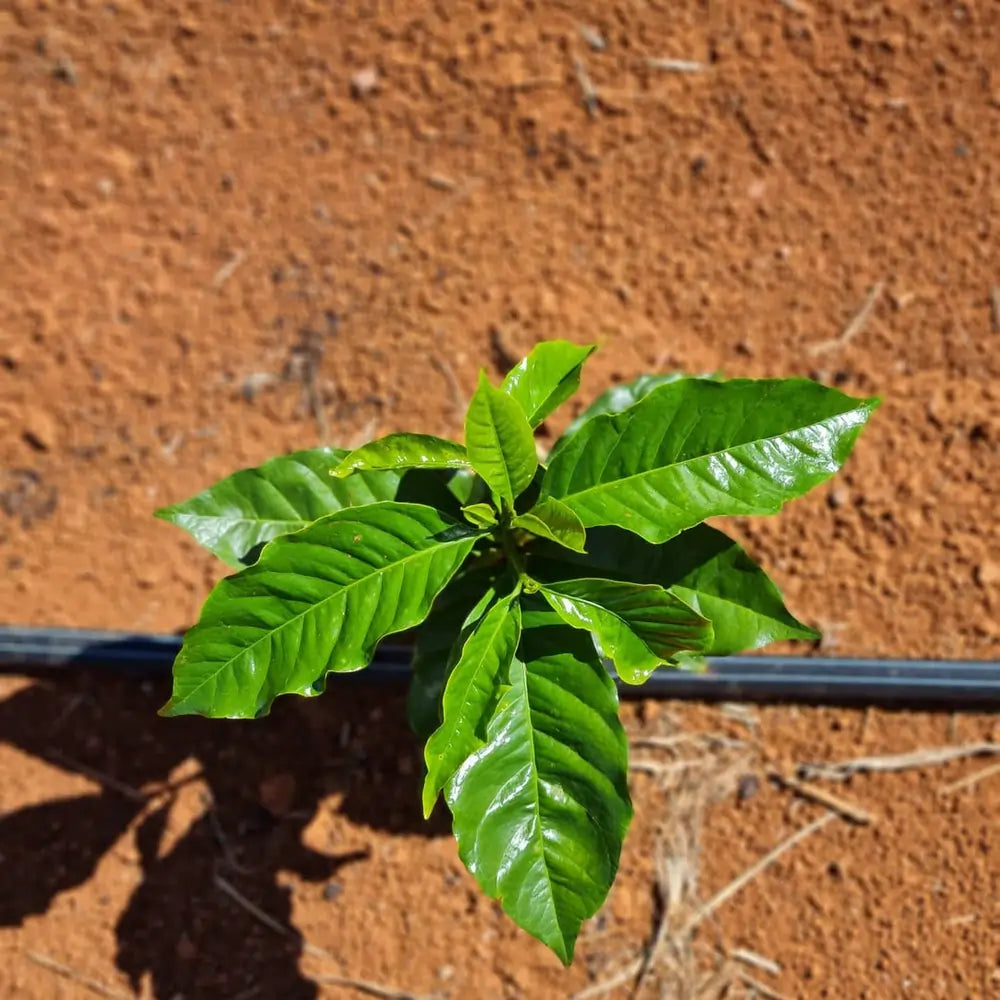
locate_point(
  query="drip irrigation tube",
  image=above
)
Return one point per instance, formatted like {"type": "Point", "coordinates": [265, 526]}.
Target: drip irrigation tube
{"type": "Point", "coordinates": [943, 684]}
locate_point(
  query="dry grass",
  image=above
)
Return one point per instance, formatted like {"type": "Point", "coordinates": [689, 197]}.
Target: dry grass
{"type": "Point", "coordinates": [692, 771]}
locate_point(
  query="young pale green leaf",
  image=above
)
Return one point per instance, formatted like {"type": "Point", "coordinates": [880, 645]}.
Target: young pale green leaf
{"type": "Point", "coordinates": [403, 451]}
{"type": "Point", "coordinates": [548, 376]}
{"type": "Point", "coordinates": [499, 441]}
{"type": "Point", "coordinates": [316, 601]}
{"type": "Point", "coordinates": [704, 568]}
{"type": "Point", "coordinates": [471, 694]}
{"type": "Point", "coordinates": [482, 515]}
{"type": "Point", "coordinates": [440, 638]}
{"type": "Point", "coordinates": [236, 516]}
{"type": "Point", "coordinates": [540, 811]}
{"type": "Point", "coordinates": [695, 449]}
{"type": "Point", "coordinates": [552, 519]}
{"type": "Point", "coordinates": [637, 626]}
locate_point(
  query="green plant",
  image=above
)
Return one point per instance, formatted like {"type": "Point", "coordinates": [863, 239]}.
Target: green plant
{"type": "Point", "coordinates": [528, 577]}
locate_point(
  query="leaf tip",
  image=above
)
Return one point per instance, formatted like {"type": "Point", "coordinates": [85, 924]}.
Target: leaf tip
{"type": "Point", "coordinates": [169, 710]}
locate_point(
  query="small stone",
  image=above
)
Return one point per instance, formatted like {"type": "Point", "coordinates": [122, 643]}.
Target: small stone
{"type": "Point", "coordinates": [40, 429]}
{"type": "Point", "coordinates": [277, 793]}
{"type": "Point", "coordinates": [65, 71]}
{"type": "Point", "coordinates": [332, 891]}
{"type": "Point", "coordinates": [987, 573]}
{"type": "Point", "coordinates": [364, 82]}
{"type": "Point", "coordinates": [748, 787]}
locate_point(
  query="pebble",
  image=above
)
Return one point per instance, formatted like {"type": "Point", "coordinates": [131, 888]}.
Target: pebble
{"type": "Point", "coordinates": [40, 429]}
{"type": "Point", "coordinates": [987, 573]}
{"type": "Point", "coordinates": [364, 82]}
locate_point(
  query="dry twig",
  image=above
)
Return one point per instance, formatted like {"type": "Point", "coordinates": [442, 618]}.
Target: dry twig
{"type": "Point", "coordinates": [759, 988]}
{"type": "Point", "coordinates": [588, 91]}
{"type": "Point", "coordinates": [841, 806]}
{"type": "Point", "coordinates": [857, 323]}
{"type": "Point", "coordinates": [105, 780]}
{"type": "Point", "coordinates": [971, 779]}
{"type": "Point", "coordinates": [744, 879]}
{"type": "Point", "coordinates": [268, 921]}
{"type": "Point", "coordinates": [675, 740]}
{"type": "Point", "coordinates": [930, 757]}
{"type": "Point", "coordinates": [751, 958]}
{"type": "Point", "coordinates": [228, 269]}
{"type": "Point", "coordinates": [92, 985]}
{"type": "Point", "coordinates": [364, 986]}
{"type": "Point", "coordinates": [677, 65]}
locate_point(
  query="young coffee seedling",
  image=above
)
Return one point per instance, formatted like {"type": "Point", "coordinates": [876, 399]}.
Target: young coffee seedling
{"type": "Point", "coordinates": [529, 581]}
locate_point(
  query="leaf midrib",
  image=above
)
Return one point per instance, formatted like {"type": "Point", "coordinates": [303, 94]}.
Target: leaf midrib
{"type": "Point", "coordinates": [538, 838]}
{"type": "Point", "coordinates": [572, 497]}
{"type": "Point", "coordinates": [247, 520]}
{"type": "Point", "coordinates": [501, 460]}
{"type": "Point", "coordinates": [727, 600]}
{"type": "Point", "coordinates": [319, 604]}
{"type": "Point", "coordinates": [465, 694]}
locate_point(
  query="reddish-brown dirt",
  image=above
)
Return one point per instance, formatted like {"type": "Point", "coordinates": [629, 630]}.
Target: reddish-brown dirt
{"type": "Point", "coordinates": [229, 230]}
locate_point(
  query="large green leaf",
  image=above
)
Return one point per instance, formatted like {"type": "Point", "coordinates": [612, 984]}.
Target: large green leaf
{"type": "Point", "coordinates": [499, 441]}
{"type": "Point", "coordinates": [439, 643]}
{"type": "Point", "coordinates": [403, 451]}
{"type": "Point", "coordinates": [316, 601]}
{"type": "Point", "coordinates": [617, 398]}
{"type": "Point", "coordinates": [233, 518]}
{"type": "Point", "coordinates": [548, 376]}
{"type": "Point", "coordinates": [540, 811]}
{"type": "Point", "coordinates": [471, 694]}
{"type": "Point", "coordinates": [695, 449]}
{"type": "Point", "coordinates": [704, 567]}
{"type": "Point", "coordinates": [637, 626]}
{"type": "Point", "coordinates": [552, 519]}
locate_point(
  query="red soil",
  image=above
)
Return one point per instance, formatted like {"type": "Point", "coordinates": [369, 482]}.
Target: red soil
{"type": "Point", "coordinates": [215, 247]}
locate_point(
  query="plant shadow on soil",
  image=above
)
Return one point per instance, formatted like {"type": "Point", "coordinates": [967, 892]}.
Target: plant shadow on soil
{"type": "Point", "coordinates": [179, 925]}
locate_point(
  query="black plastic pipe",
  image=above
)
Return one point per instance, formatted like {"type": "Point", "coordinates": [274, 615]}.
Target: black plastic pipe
{"type": "Point", "coordinates": [942, 684]}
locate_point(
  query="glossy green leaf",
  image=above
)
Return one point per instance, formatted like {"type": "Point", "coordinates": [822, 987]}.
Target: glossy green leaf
{"type": "Point", "coordinates": [316, 601]}
{"type": "Point", "coordinates": [617, 398]}
{"type": "Point", "coordinates": [552, 519]}
{"type": "Point", "coordinates": [403, 451]}
{"type": "Point", "coordinates": [704, 568]}
{"type": "Point", "coordinates": [621, 397]}
{"type": "Point", "coordinates": [466, 486]}
{"type": "Point", "coordinates": [236, 516]}
{"type": "Point", "coordinates": [548, 376]}
{"type": "Point", "coordinates": [471, 694]}
{"type": "Point", "coordinates": [482, 515]}
{"type": "Point", "coordinates": [439, 643]}
{"type": "Point", "coordinates": [695, 449]}
{"type": "Point", "coordinates": [540, 811]}
{"type": "Point", "coordinates": [500, 444]}
{"type": "Point", "coordinates": [637, 626]}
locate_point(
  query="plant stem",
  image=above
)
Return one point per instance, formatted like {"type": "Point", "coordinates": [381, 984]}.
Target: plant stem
{"type": "Point", "coordinates": [513, 555]}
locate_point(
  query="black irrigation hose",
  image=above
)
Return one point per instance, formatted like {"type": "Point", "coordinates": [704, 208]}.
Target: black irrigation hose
{"type": "Point", "coordinates": [940, 684]}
